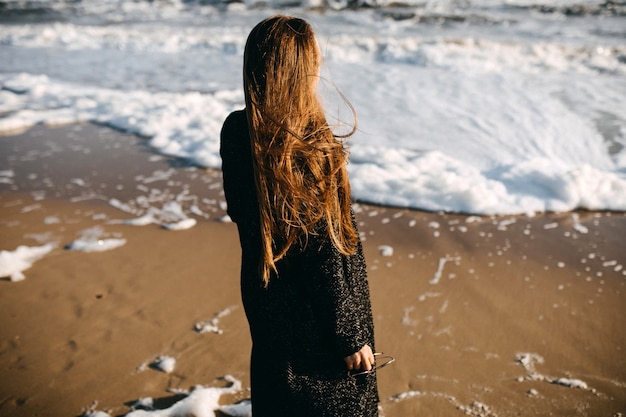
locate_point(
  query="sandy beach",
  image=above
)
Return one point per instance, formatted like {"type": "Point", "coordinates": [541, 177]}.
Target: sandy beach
{"type": "Point", "coordinates": [486, 316]}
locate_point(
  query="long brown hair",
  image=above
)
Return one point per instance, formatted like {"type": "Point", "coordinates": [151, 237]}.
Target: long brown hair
{"type": "Point", "coordinates": [299, 164]}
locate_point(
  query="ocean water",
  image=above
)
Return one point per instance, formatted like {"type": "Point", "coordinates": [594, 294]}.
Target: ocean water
{"type": "Point", "coordinates": [473, 106]}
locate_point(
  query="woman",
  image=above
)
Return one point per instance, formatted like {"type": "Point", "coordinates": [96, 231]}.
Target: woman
{"type": "Point", "coordinates": [303, 279]}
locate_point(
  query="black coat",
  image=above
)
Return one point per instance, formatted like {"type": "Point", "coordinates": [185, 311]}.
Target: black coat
{"type": "Point", "coordinates": [315, 312]}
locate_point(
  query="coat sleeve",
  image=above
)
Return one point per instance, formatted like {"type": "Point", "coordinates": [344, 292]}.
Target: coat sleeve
{"type": "Point", "coordinates": [237, 171]}
{"type": "Point", "coordinates": [341, 299]}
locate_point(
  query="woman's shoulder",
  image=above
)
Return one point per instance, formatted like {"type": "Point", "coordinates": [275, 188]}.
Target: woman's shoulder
{"type": "Point", "coordinates": [236, 119]}
{"type": "Point", "coordinates": [234, 132]}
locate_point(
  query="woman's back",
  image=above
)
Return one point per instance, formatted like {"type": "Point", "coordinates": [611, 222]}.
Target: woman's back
{"type": "Point", "coordinates": [312, 314]}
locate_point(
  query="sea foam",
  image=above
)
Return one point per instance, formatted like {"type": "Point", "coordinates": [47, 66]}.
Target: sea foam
{"type": "Point", "coordinates": [509, 111]}
{"type": "Point", "coordinates": [14, 263]}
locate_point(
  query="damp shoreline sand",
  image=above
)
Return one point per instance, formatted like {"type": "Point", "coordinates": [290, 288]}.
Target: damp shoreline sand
{"type": "Point", "coordinates": [486, 316]}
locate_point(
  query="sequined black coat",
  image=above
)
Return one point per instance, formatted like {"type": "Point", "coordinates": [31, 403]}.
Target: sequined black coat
{"type": "Point", "coordinates": [315, 312]}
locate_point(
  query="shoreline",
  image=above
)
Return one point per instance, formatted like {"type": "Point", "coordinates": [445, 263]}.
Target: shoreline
{"type": "Point", "coordinates": [487, 316]}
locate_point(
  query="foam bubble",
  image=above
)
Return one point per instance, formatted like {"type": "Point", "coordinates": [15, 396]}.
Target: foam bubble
{"type": "Point", "coordinates": [201, 402]}
{"type": "Point", "coordinates": [94, 240]}
{"type": "Point", "coordinates": [165, 364]}
{"type": "Point", "coordinates": [184, 224]}
{"type": "Point", "coordinates": [385, 250]}
{"type": "Point", "coordinates": [14, 263]}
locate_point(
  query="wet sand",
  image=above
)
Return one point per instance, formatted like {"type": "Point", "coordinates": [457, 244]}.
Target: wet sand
{"type": "Point", "coordinates": [486, 316]}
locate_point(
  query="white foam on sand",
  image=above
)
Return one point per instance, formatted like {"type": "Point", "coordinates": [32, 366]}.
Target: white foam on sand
{"type": "Point", "coordinates": [529, 361]}
{"type": "Point", "coordinates": [200, 402]}
{"type": "Point", "coordinates": [98, 245]}
{"type": "Point", "coordinates": [96, 414]}
{"type": "Point", "coordinates": [212, 325]}
{"type": "Point", "coordinates": [440, 265]}
{"type": "Point", "coordinates": [177, 124]}
{"type": "Point", "coordinates": [14, 263]}
{"type": "Point", "coordinates": [165, 364]}
{"type": "Point", "coordinates": [171, 215]}
{"type": "Point", "coordinates": [144, 220]}
{"type": "Point", "coordinates": [241, 409]}
{"type": "Point", "coordinates": [94, 240]}
{"type": "Point", "coordinates": [385, 250]}
{"type": "Point", "coordinates": [183, 224]}
{"type": "Point", "coordinates": [475, 408]}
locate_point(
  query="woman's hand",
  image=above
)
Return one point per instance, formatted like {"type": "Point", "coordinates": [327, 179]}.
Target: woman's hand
{"type": "Point", "coordinates": [363, 360]}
